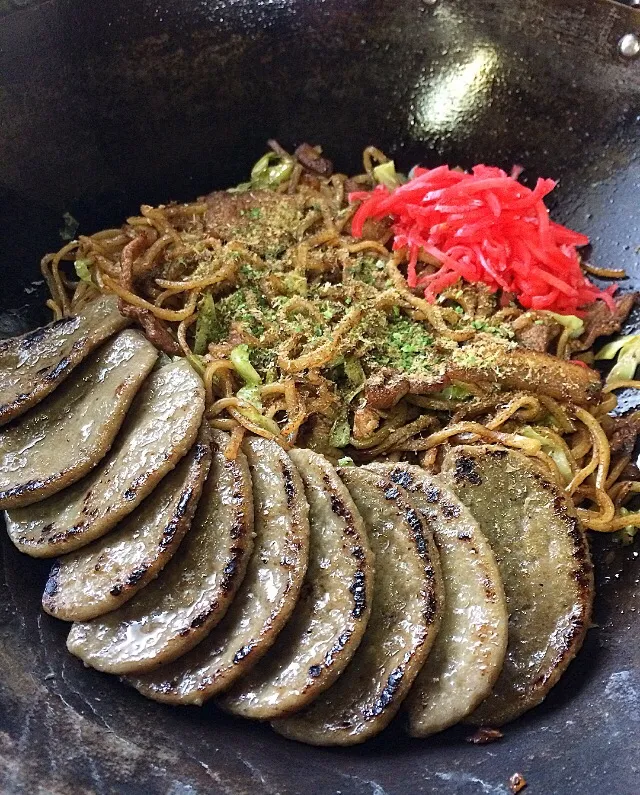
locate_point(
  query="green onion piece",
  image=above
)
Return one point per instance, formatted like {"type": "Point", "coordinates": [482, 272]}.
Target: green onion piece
{"type": "Point", "coordinates": [197, 363]}
{"type": "Point", "coordinates": [206, 325]}
{"type": "Point", "coordinates": [572, 322]}
{"type": "Point", "coordinates": [556, 453]}
{"type": "Point", "coordinates": [82, 269]}
{"type": "Point", "coordinates": [240, 360]}
{"type": "Point", "coordinates": [347, 461]}
{"type": "Point", "coordinates": [385, 174]}
{"type": "Point", "coordinates": [271, 170]}
{"type": "Point", "coordinates": [340, 431]}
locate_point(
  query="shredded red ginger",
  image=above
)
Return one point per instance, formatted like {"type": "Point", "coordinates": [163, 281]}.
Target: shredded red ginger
{"type": "Point", "coordinates": [487, 227]}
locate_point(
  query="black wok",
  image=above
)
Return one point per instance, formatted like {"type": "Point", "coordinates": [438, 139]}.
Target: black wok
{"type": "Point", "coordinates": [107, 105]}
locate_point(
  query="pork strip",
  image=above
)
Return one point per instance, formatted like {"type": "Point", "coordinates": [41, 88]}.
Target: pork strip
{"type": "Point", "coordinates": [178, 609]}
{"type": "Point", "coordinates": [64, 437]}
{"type": "Point", "coordinates": [160, 427]}
{"type": "Point", "coordinates": [104, 575]}
{"type": "Point", "coordinates": [268, 592]}
{"type": "Point", "coordinates": [544, 561]}
{"type": "Point", "coordinates": [330, 618]}
{"type": "Point", "coordinates": [469, 651]}
{"type": "Point", "coordinates": [405, 616]}
{"type": "Point", "coordinates": [33, 365]}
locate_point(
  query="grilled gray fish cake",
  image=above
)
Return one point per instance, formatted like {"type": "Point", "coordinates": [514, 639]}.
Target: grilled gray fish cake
{"type": "Point", "coordinates": [469, 651]}
{"type": "Point", "coordinates": [160, 427]}
{"type": "Point", "coordinates": [179, 608]}
{"type": "Point", "coordinates": [64, 437]}
{"type": "Point", "coordinates": [404, 621]}
{"type": "Point", "coordinates": [104, 575]}
{"type": "Point", "coordinates": [330, 618]}
{"type": "Point", "coordinates": [32, 366]}
{"type": "Point", "coordinates": [266, 597]}
{"type": "Point", "coordinates": [545, 565]}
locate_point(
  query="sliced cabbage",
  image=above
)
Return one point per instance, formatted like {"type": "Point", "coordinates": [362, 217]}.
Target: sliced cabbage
{"type": "Point", "coordinates": [627, 349]}
{"type": "Point", "coordinates": [554, 451]}
{"type": "Point", "coordinates": [572, 322]}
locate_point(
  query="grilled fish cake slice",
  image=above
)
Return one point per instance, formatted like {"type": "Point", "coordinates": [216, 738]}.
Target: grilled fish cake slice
{"type": "Point", "coordinates": [544, 561]}
{"type": "Point", "coordinates": [469, 651]}
{"type": "Point", "coordinates": [175, 611]}
{"type": "Point", "coordinates": [64, 437]}
{"type": "Point", "coordinates": [104, 575]}
{"type": "Point", "coordinates": [267, 595]}
{"type": "Point", "coordinates": [32, 366]}
{"type": "Point", "coordinates": [160, 427]}
{"type": "Point", "coordinates": [404, 621]}
{"type": "Point", "coordinates": [330, 618]}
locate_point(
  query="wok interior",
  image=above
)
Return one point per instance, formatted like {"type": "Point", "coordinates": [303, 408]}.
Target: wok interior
{"type": "Point", "coordinates": [103, 111]}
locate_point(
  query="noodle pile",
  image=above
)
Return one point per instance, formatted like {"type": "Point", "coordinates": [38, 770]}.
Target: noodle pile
{"type": "Point", "coordinates": [289, 320]}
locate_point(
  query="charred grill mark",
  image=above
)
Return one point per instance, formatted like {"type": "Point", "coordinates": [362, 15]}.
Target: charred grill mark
{"type": "Point", "coordinates": [289, 485]}
{"type": "Point", "coordinates": [132, 580]}
{"type": "Point", "coordinates": [403, 478]}
{"type": "Point", "coordinates": [464, 535]}
{"type": "Point", "coordinates": [358, 589]}
{"type": "Point", "coordinates": [412, 518]}
{"type": "Point", "coordinates": [450, 511]}
{"type": "Point", "coordinates": [315, 671]}
{"type": "Point", "coordinates": [59, 370]}
{"type": "Point", "coordinates": [243, 653]}
{"type": "Point", "coordinates": [51, 588]}
{"type": "Point", "coordinates": [387, 695]}
{"type": "Point", "coordinates": [231, 569]}
{"type": "Point", "coordinates": [465, 469]}
{"type": "Point", "coordinates": [37, 334]}
{"type": "Point", "coordinates": [180, 512]}
{"type": "Point", "coordinates": [432, 494]}
{"type": "Point", "coordinates": [358, 553]}
{"type": "Point", "coordinates": [30, 486]}
{"type": "Point", "coordinates": [391, 493]}
{"type": "Point", "coordinates": [132, 491]}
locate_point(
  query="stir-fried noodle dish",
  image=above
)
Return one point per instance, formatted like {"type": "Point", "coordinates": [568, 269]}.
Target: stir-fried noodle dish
{"type": "Point", "coordinates": [383, 317]}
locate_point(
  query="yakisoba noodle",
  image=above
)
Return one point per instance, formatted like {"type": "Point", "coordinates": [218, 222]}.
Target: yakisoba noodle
{"type": "Point", "coordinates": [310, 317]}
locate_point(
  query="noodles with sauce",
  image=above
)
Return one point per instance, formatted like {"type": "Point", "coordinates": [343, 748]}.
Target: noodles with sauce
{"type": "Point", "coordinates": [308, 336]}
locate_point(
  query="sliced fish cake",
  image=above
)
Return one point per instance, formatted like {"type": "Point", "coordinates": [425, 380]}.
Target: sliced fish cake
{"type": "Point", "coordinates": [161, 426]}
{"type": "Point", "coordinates": [109, 572]}
{"type": "Point", "coordinates": [327, 625]}
{"type": "Point", "coordinates": [64, 437]}
{"type": "Point", "coordinates": [179, 608]}
{"type": "Point", "coordinates": [404, 621]}
{"type": "Point", "coordinates": [544, 562]}
{"type": "Point", "coordinates": [32, 366]}
{"type": "Point", "coordinates": [266, 596]}
{"type": "Point", "coordinates": [469, 651]}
